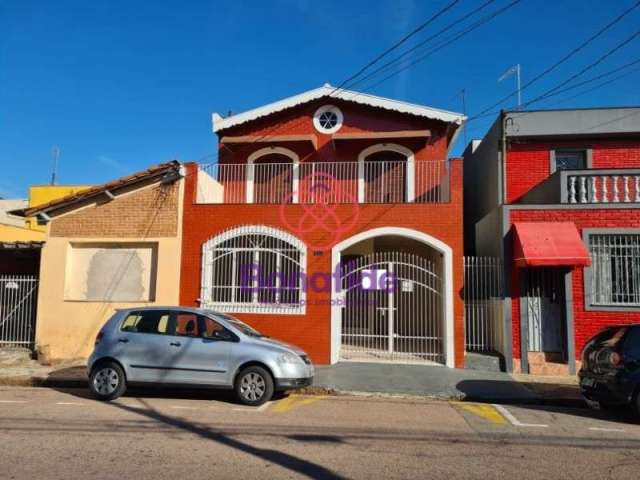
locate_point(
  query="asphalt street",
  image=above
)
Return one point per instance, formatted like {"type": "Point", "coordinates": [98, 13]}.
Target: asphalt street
{"type": "Point", "coordinates": [51, 434]}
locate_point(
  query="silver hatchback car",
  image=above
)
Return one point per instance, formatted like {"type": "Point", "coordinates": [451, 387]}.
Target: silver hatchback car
{"type": "Point", "coordinates": [191, 346]}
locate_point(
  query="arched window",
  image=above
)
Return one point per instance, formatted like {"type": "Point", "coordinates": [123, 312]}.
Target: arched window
{"type": "Point", "coordinates": [253, 268]}
{"type": "Point", "coordinates": [386, 174]}
{"type": "Point", "coordinates": [272, 176]}
{"type": "Point", "coordinates": [273, 179]}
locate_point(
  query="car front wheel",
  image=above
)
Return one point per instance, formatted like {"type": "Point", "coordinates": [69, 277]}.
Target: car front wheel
{"type": "Point", "coordinates": [254, 386]}
{"type": "Point", "coordinates": [107, 381]}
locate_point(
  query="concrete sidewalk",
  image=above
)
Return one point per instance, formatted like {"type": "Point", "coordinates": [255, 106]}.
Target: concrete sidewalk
{"type": "Point", "coordinates": [446, 383]}
{"type": "Point", "coordinates": [369, 378]}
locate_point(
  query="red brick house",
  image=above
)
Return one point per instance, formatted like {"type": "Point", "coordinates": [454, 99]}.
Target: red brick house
{"type": "Point", "coordinates": [556, 194]}
{"type": "Point", "coordinates": [332, 220]}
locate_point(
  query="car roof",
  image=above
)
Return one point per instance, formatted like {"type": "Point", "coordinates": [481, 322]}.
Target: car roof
{"type": "Point", "coordinates": [165, 307]}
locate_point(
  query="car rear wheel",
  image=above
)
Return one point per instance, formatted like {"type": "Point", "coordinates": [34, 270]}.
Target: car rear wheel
{"type": "Point", "coordinates": [107, 381]}
{"type": "Point", "coordinates": [254, 386]}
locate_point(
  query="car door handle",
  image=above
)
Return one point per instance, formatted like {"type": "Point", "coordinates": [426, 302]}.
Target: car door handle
{"type": "Point", "coordinates": [175, 344]}
{"type": "Point", "coordinates": [123, 340]}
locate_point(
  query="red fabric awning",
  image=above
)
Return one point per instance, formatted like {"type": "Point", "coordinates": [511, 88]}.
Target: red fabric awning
{"type": "Point", "coordinates": [548, 244]}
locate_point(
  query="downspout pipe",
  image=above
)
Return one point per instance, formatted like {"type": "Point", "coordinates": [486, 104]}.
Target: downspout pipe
{"type": "Point", "coordinates": [503, 145]}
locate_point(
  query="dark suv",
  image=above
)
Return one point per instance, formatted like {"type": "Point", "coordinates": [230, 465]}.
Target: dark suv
{"type": "Point", "coordinates": [610, 373]}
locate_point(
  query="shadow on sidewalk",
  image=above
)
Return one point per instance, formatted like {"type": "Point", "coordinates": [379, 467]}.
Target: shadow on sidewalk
{"type": "Point", "coordinates": [547, 397]}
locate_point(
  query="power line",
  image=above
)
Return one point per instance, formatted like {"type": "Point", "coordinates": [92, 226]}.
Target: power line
{"type": "Point", "coordinates": [447, 42]}
{"type": "Point", "coordinates": [600, 85]}
{"type": "Point", "coordinates": [596, 78]}
{"type": "Point", "coordinates": [553, 91]}
{"type": "Point", "coordinates": [424, 25]}
{"type": "Point", "coordinates": [368, 65]}
{"type": "Point", "coordinates": [443, 44]}
{"type": "Point", "coordinates": [387, 65]}
{"type": "Point", "coordinates": [587, 68]}
{"type": "Point", "coordinates": [572, 87]}
{"type": "Point", "coordinates": [580, 47]}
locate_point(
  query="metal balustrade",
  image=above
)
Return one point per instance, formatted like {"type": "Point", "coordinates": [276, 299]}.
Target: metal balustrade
{"type": "Point", "coordinates": [325, 182]}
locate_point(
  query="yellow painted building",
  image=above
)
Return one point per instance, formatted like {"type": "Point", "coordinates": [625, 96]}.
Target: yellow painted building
{"type": "Point", "coordinates": [16, 229]}
{"type": "Point", "coordinates": [41, 194]}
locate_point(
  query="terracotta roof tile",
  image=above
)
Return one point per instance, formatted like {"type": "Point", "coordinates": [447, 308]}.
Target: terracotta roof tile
{"type": "Point", "coordinates": [98, 189]}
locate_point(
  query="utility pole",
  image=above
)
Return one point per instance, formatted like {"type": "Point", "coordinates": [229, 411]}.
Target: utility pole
{"type": "Point", "coordinates": [55, 153]}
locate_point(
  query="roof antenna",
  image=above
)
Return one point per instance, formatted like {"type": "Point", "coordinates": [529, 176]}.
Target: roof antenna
{"type": "Point", "coordinates": [55, 153]}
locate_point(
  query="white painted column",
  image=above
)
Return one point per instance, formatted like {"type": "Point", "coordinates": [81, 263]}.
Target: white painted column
{"type": "Point", "coordinates": [411, 180]}
{"type": "Point", "coordinates": [296, 182]}
{"type": "Point", "coordinates": [360, 181]}
{"type": "Point", "coordinates": [250, 179]}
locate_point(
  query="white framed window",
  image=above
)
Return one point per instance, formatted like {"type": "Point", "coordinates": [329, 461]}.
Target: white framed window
{"type": "Point", "coordinates": [613, 280]}
{"type": "Point", "coordinates": [254, 269]}
{"type": "Point", "coordinates": [328, 119]}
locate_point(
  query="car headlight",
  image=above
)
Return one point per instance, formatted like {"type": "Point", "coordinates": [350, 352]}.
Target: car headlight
{"type": "Point", "coordinates": [289, 358]}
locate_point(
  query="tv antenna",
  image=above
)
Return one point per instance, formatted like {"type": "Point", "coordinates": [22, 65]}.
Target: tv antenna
{"type": "Point", "coordinates": [55, 153]}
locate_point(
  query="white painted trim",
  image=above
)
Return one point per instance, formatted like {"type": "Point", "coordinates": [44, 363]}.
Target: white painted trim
{"type": "Point", "coordinates": [439, 245]}
{"type": "Point", "coordinates": [295, 159]}
{"type": "Point", "coordinates": [388, 147]}
{"type": "Point", "coordinates": [327, 108]}
{"type": "Point", "coordinates": [328, 91]}
{"type": "Point", "coordinates": [206, 285]}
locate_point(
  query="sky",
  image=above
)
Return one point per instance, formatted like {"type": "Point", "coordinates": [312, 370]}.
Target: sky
{"type": "Point", "coordinates": [120, 85]}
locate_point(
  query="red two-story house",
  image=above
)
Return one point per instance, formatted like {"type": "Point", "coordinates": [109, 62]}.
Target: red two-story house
{"type": "Point", "coordinates": [556, 194]}
{"type": "Point", "coordinates": [332, 220]}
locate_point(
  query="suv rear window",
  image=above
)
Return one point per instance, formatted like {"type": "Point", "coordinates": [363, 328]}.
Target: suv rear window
{"type": "Point", "coordinates": [632, 343]}
{"type": "Point", "coordinates": [146, 321]}
{"type": "Point", "coordinates": [609, 338]}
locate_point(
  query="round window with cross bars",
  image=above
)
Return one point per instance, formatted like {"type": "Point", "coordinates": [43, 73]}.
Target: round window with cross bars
{"type": "Point", "coordinates": [328, 119]}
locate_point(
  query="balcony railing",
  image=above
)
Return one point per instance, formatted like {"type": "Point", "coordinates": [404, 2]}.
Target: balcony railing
{"type": "Point", "coordinates": [325, 182]}
{"type": "Point", "coordinates": [600, 186]}
{"type": "Point", "coordinates": [587, 186]}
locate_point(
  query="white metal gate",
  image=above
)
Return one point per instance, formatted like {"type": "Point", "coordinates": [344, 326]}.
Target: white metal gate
{"type": "Point", "coordinates": [18, 300]}
{"type": "Point", "coordinates": [400, 319]}
{"type": "Point", "coordinates": [483, 303]}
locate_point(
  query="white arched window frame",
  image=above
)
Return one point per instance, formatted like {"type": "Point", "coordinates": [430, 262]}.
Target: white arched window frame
{"type": "Point", "coordinates": [295, 160]}
{"type": "Point", "coordinates": [387, 147]}
{"type": "Point", "coordinates": [273, 250]}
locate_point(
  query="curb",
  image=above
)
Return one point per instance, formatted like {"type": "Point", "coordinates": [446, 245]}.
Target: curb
{"type": "Point", "coordinates": [324, 390]}
{"type": "Point", "coordinates": [542, 401]}
{"type": "Point", "coordinates": [43, 382]}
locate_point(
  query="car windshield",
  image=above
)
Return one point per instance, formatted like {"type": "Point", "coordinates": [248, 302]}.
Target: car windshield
{"type": "Point", "coordinates": [240, 325]}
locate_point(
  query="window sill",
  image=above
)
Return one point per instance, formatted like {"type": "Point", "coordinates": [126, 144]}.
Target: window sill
{"type": "Point", "coordinates": [259, 309]}
{"type": "Point", "coordinates": [612, 308]}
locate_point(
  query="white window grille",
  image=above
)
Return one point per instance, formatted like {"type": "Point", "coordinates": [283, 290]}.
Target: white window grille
{"type": "Point", "coordinates": [615, 271]}
{"type": "Point", "coordinates": [254, 269]}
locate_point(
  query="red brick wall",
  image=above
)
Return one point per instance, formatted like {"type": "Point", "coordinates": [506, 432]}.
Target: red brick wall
{"type": "Point", "coordinates": [312, 331]}
{"type": "Point", "coordinates": [586, 323]}
{"type": "Point", "coordinates": [528, 163]}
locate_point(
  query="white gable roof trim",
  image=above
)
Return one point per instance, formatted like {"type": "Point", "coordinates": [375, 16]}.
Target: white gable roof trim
{"type": "Point", "coordinates": [220, 123]}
